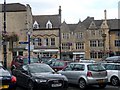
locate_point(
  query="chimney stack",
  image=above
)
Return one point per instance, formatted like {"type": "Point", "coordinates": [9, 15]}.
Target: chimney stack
{"type": "Point", "coordinates": [105, 15]}
{"type": "Point", "coordinates": [60, 10]}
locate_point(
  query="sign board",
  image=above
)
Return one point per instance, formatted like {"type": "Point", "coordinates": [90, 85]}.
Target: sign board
{"type": "Point", "coordinates": [23, 42]}
{"type": "Point", "coordinates": [31, 47]}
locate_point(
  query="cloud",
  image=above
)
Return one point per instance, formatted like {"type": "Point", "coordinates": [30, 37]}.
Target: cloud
{"type": "Point", "coordinates": [73, 10]}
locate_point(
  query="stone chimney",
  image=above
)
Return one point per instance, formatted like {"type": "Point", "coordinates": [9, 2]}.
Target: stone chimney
{"type": "Point", "coordinates": [60, 10]}
{"type": "Point", "coordinates": [105, 15]}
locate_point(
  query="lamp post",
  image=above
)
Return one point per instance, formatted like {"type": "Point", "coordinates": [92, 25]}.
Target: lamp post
{"type": "Point", "coordinates": [29, 33]}
{"type": "Point", "coordinates": [3, 36]}
{"type": "Point", "coordinates": [104, 39]}
{"type": "Point", "coordinates": [60, 42]}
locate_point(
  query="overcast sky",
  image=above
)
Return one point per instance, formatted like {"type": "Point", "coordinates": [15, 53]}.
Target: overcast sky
{"type": "Point", "coordinates": [72, 10]}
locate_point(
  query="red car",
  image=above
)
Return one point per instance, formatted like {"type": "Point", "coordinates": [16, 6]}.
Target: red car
{"type": "Point", "coordinates": [59, 64]}
{"type": "Point", "coordinates": [22, 60]}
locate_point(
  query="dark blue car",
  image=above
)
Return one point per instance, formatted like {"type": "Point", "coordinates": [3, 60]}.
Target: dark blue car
{"type": "Point", "coordinates": [7, 81]}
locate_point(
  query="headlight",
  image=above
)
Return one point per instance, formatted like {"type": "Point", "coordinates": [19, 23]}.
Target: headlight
{"type": "Point", "coordinates": [40, 80]}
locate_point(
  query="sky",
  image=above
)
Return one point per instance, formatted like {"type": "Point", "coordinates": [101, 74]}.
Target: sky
{"type": "Point", "coordinates": [73, 10]}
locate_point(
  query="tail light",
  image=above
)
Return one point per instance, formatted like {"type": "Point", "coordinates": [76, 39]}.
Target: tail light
{"type": "Point", "coordinates": [89, 74]}
{"type": "Point", "coordinates": [13, 79]}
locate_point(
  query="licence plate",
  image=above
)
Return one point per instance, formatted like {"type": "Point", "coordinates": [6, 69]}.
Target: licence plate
{"type": "Point", "coordinates": [57, 85]}
{"type": "Point", "coordinates": [100, 81]}
{"type": "Point", "coordinates": [4, 86]}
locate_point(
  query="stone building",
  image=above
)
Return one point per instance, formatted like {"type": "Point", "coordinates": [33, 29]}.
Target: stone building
{"type": "Point", "coordinates": [18, 21]}
{"type": "Point", "coordinates": [88, 39]}
{"type": "Point", "coordinates": [45, 35]}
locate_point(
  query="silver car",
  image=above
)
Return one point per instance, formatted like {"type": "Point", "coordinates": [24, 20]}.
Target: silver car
{"type": "Point", "coordinates": [113, 72]}
{"type": "Point", "coordinates": [84, 74]}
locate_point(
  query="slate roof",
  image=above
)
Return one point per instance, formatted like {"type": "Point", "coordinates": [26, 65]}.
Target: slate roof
{"type": "Point", "coordinates": [88, 21]}
{"type": "Point", "coordinates": [13, 7]}
{"type": "Point", "coordinates": [114, 24]}
{"type": "Point", "coordinates": [72, 27]}
{"type": "Point", "coordinates": [43, 19]}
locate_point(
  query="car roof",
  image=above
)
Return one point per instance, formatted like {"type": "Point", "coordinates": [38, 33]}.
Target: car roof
{"type": "Point", "coordinates": [112, 63]}
{"type": "Point", "coordinates": [83, 63]}
{"type": "Point", "coordinates": [118, 57]}
{"type": "Point", "coordinates": [36, 64]}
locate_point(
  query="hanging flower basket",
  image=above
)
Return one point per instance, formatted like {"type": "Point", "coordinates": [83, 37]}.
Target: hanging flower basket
{"type": "Point", "coordinates": [13, 37]}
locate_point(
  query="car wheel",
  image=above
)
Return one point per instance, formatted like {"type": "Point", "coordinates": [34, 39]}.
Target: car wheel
{"type": "Point", "coordinates": [114, 81]}
{"type": "Point", "coordinates": [30, 86]}
{"type": "Point", "coordinates": [64, 89]}
{"type": "Point", "coordinates": [102, 85]}
{"type": "Point", "coordinates": [82, 84]}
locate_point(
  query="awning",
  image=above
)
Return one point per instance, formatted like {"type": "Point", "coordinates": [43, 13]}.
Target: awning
{"type": "Point", "coordinates": [78, 52]}
{"type": "Point", "coordinates": [45, 50]}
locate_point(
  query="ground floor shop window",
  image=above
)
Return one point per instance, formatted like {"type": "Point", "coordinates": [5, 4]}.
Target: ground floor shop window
{"type": "Point", "coordinates": [20, 53]}
{"type": "Point", "coordinates": [93, 54]}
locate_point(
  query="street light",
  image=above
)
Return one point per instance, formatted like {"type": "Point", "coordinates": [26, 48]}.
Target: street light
{"type": "Point", "coordinates": [3, 36]}
{"type": "Point", "coordinates": [60, 42]}
{"type": "Point", "coordinates": [29, 34]}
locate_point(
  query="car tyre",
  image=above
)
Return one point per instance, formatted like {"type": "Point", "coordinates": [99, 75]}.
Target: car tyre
{"type": "Point", "coordinates": [114, 81]}
{"type": "Point", "coordinates": [30, 86]}
{"type": "Point", "coordinates": [102, 86]}
{"type": "Point", "coordinates": [82, 84]}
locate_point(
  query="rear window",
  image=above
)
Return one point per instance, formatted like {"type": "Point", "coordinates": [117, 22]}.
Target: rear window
{"type": "Point", "coordinates": [95, 67]}
{"type": "Point", "coordinates": [111, 67]}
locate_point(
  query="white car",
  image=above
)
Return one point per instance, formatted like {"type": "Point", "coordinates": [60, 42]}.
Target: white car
{"type": "Point", "coordinates": [113, 59]}
{"type": "Point", "coordinates": [113, 73]}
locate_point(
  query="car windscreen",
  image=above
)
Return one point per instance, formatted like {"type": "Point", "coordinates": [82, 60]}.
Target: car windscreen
{"type": "Point", "coordinates": [32, 60]}
{"type": "Point", "coordinates": [95, 67]}
{"type": "Point", "coordinates": [40, 69]}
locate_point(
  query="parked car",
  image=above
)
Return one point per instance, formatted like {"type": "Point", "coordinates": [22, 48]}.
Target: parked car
{"type": "Point", "coordinates": [84, 74]}
{"type": "Point", "coordinates": [22, 60]}
{"type": "Point", "coordinates": [59, 65]}
{"type": "Point", "coordinates": [86, 60]}
{"type": "Point", "coordinates": [7, 81]}
{"type": "Point", "coordinates": [113, 72]}
{"type": "Point", "coordinates": [44, 59]}
{"type": "Point", "coordinates": [113, 59]}
{"type": "Point", "coordinates": [39, 76]}
{"type": "Point", "coordinates": [50, 61]}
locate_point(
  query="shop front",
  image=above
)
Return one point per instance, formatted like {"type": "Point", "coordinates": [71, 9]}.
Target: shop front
{"type": "Point", "coordinates": [46, 52]}
{"type": "Point", "coordinates": [78, 55]}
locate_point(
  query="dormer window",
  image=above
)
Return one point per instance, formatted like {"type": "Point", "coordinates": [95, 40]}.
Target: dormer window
{"type": "Point", "coordinates": [49, 24]}
{"type": "Point", "coordinates": [36, 25]}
